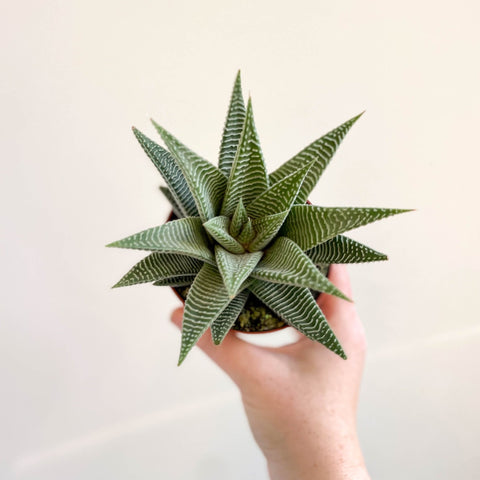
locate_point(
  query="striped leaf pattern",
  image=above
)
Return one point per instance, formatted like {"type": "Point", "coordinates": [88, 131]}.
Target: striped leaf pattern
{"type": "Point", "coordinates": [205, 301]}
{"type": "Point", "coordinates": [308, 225]}
{"type": "Point", "coordinates": [224, 322]}
{"type": "Point", "coordinates": [204, 180]}
{"type": "Point", "coordinates": [175, 207]}
{"type": "Point", "coordinates": [247, 234]}
{"type": "Point", "coordinates": [297, 307]}
{"type": "Point", "coordinates": [248, 177]}
{"type": "Point", "coordinates": [179, 281]}
{"type": "Point", "coordinates": [280, 196]}
{"type": "Point", "coordinates": [238, 219]}
{"type": "Point", "coordinates": [285, 262]}
{"type": "Point", "coordinates": [235, 269]}
{"type": "Point", "coordinates": [321, 152]}
{"type": "Point", "coordinates": [341, 249]}
{"type": "Point", "coordinates": [241, 231]}
{"type": "Point", "coordinates": [218, 228]}
{"type": "Point", "coordinates": [158, 266]}
{"type": "Point", "coordinates": [266, 229]}
{"type": "Point", "coordinates": [171, 173]}
{"type": "Point", "coordinates": [233, 128]}
{"type": "Point", "coordinates": [185, 236]}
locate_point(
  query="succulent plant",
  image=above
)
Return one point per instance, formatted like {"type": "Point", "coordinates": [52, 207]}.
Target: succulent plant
{"type": "Point", "coordinates": [240, 231]}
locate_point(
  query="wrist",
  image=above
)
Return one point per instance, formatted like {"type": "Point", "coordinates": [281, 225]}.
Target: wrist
{"type": "Point", "coordinates": [318, 457]}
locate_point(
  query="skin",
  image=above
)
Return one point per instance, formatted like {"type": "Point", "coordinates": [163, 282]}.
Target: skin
{"type": "Point", "coordinates": [301, 399]}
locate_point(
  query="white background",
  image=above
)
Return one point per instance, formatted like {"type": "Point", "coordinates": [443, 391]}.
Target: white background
{"type": "Point", "coordinates": [89, 387]}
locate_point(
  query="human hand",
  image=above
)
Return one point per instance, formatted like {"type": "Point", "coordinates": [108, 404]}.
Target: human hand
{"type": "Point", "coordinates": [301, 399]}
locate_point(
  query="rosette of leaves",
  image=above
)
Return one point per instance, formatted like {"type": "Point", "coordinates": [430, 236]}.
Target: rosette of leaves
{"type": "Point", "coordinates": [241, 232]}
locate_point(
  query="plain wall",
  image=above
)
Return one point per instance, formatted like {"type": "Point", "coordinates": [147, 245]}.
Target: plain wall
{"type": "Point", "coordinates": [89, 387]}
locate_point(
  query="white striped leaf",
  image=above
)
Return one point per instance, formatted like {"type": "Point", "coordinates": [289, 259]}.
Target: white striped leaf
{"type": "Point", "coordinates": [235, 269]}
{"type": "Point", "coordinates": [247, 234]}
{"type": "Point", "coordinates": [205, 181]}
{"type": "Point", "coordinates": [280, 196]}
{"type": "Point", "coordinates": [175, 207]}
{"type": "Point", "coordinates": [297, 307]}
{"type": "Point", "coordinates": [233, 128]}
{"type": "Point", "coordinates": [266, 228]}
{"type": "Point", "coordinates": [206, 299]}
{"type": "Point", "coordinates": [248, 177]}
{"type": "Point", "coordinates": [224, 322]}
{"type": "Point", "coordinates": [178, 281]}
{"type": "Point", "coordinates": [239, 219]}
{"type": "Point", "coordinates": [158, 266]}
{"type": "Point", "coordinates": [341, 249]}
{"type": "Point", "coordinates": [321, 151]}
{"type": "Point", "coordinates": [285, 262]}
{"type": "Point", "coordinates": [218, 228]}
{"type": "Point", "coordinates": [308, 225]}
{"type": "Point", "coordinates": [185, 236]}
{"type": "Point", "coordinates": [171, 172]}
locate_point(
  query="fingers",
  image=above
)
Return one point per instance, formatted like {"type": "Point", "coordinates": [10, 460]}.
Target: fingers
{"type": "Point", "coordinates": [232, 355]}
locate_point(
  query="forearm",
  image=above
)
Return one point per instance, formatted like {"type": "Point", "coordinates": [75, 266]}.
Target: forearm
{"type": "Point", "coordinates": [344, 465]}
{"type": "Point", "coordinates": [320, 457]}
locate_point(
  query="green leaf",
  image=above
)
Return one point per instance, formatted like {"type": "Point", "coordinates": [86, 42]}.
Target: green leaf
{"type": "Point", "coordinates": [248, 177]}
{"type": "Point", "coordinates": [308, 225]}
{"type": "Point", "coordinates": [239, 219]}
{"type": "Point", "coordinates": [279, 197]}
{"type": "Point", "coordinates": [266, 229]}
{"type": "Point", "coordinates": [233, 128]}
{"type": "Point", "coordinates": [204, 180]}
{"type": "Point", "coordinates": [157, 266]}
{"type": "Point", "coordinates": [224, 322]}
{"type": "Point", "coordinates": [235, 269]}
{"type": "Point", "coordinates": [175, 207]}
{"type": "Point", "coordinates": [206, 299]}
{"type": "Point", "coordinates": [171, 172]}
{"type": "Point", "coordinates": [218, 228]}
{"type": "Point", "coordinates": [179, 281]}
{"type": "Point", "coordinates": [342, 249]}
{"type": "Point", "coordinates": [285, 262]}
{"type": "Point", "coordinates": [321, 151]}
{"type": "Point", "coordinates": [297, 307]}
{"type": "Point", "coordinates": [185, 236]}
{"type": "Point", "coordinates": [247, 234]}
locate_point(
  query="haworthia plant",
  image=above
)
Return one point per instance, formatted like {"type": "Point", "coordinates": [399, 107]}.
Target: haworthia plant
{"type": "Point", "coordinates": [241, 234]}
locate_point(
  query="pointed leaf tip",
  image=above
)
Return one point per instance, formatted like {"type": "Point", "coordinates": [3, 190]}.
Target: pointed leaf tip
{"type": "Point", "coordinates": [310, 225]}
{"type": "Point", "coordinates": [233, 128]}
{"type": "Point", "coordinates": [248, 176]}
{"type": "Point", "coordinates": [234, 268]}
{"type": "Point", "coordinates": [297, 307]}
{"type": "Point", "coordinates": [205, 181]}
{"type": "Point", "coordinates": [206, 300]}
{"type": "Point", "coordinates": [359, 115]}
{"type": "Point", "coordinates": [341, 249]}
{"type": "Point", "coordinates": [321, 150]}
